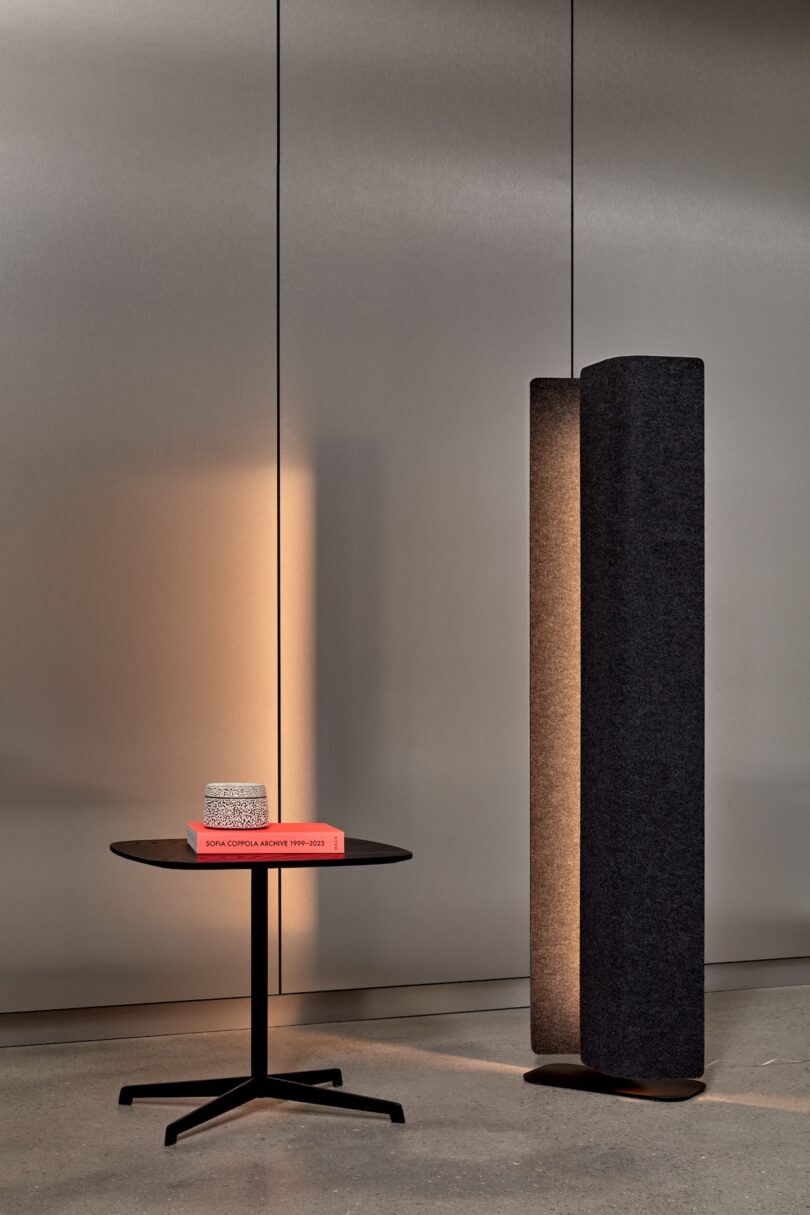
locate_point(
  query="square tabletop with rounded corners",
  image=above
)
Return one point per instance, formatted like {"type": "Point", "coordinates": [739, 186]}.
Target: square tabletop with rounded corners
{"type": "Point", "coordinates": [176, 854]}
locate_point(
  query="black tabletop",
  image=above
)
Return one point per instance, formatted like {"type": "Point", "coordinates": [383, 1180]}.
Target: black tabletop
{"type": "Point", "coordinates": [176, 854]}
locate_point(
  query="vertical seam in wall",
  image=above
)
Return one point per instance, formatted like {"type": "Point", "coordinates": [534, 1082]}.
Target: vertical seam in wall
{"type": "Point", "coordinates": [278, 473]}
{"type": "Point", "coordinates": [571, 99]}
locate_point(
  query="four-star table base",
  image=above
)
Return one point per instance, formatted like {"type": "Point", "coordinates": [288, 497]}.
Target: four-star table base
{"type": "Point", "coordinates": [229, 1092]}
{"type": "Point", "coordinates": [233, 1091]}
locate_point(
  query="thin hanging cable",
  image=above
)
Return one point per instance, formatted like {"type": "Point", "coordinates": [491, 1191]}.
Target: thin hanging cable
{"type": "Point", "coordinates": [278, 465]}
{"type": "Point", "coordinates": [572, 185]}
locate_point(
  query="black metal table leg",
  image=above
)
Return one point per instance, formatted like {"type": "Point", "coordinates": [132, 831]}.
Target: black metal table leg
{"type": "Point", "coordinates": [258, 972]}
{"type": "Point", "coordinates": [288, 1090]}
{"type": "Point", "coordinates": [212, 1109]}
{"type": "Point", "coordinates": [322, 1075]}
{"type": "Point", "coordinates": [180, 1088]}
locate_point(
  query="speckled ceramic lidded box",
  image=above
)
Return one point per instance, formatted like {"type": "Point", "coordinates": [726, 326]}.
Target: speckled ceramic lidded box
{"type": "Point", "coordinates": [235, 806]}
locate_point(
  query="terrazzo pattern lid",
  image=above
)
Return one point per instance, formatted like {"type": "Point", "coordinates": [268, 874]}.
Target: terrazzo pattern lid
{"type": "Point", "coordinates": [235, 789]}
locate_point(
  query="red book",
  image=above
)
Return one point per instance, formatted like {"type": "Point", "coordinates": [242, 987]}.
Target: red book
{"type": "Point", "coordinates": [278, 839]}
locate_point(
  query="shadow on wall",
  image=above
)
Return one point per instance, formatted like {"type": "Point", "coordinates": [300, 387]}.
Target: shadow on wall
{"type": "Point", "coordinates": [769, 820]}
{"type": "Point", "coordinates": [333, 675]}
{"type": "Point", "coordinates": [349, 663]}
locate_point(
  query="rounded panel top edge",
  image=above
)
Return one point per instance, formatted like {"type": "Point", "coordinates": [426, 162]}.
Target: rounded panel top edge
{"type": "Point", "coordinates": [646, 358]}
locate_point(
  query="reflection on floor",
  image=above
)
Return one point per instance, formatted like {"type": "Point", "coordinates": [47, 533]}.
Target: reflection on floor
{"type": "Point", "coordinates": [477, 1140]}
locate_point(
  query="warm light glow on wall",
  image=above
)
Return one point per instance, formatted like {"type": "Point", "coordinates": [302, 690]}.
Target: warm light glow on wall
{"type": "Point", "coordinates": [298, 696]}
{"type": "Point", "coordinates": [555, 715]}
{"type": "Point", "coordinates": [172, 581]}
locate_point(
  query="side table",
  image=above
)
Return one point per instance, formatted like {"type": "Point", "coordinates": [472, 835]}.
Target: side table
{"type": "Point", "coordinates": [232, 1091]}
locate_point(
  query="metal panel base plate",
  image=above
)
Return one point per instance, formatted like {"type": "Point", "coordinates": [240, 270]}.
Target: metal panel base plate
{"type": "Point", "coordinates": [587, 1080]}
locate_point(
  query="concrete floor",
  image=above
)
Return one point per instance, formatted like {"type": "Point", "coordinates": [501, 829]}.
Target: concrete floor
{"type": "Point", "coordinates": [477, 1139]}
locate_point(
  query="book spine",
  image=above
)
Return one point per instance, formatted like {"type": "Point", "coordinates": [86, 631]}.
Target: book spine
{"type": "Point", "coordinates": [280, 845]}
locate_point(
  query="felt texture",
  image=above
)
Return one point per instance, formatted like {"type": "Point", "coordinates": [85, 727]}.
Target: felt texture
{"type": "Point", "coordinates": [642, 723]}
{"type": "Point", "coordinates": [554, 715]}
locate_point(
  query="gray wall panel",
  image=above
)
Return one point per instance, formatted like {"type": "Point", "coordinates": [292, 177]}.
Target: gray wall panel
{"type": "Point", "coordinates": [692, 238]}
{"type": "Point", "coordinates": [137, 482]}
{"type": "Point", "coordinates": [424, 281]}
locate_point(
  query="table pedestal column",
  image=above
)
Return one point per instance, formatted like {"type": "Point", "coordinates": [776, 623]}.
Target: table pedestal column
{"type": "Point", "coordinates": [258, 971]}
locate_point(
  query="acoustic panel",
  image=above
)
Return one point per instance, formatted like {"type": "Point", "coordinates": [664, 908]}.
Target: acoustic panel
{"type": "Point", "coordinates": [554, 720]}
{"type": "Point", "coordinates": [641, 436]}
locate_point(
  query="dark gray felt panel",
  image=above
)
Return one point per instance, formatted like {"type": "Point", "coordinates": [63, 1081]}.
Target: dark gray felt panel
{"type": "Point", "coordinates": [641, 466]}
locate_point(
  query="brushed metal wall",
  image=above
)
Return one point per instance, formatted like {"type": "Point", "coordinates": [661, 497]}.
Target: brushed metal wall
{"type": "Point", "coordinates": [424, 270]}
{"type": "Point", "coordinates": [692, 178]}
{"type": "Point", "coordinates": [137, 482]}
